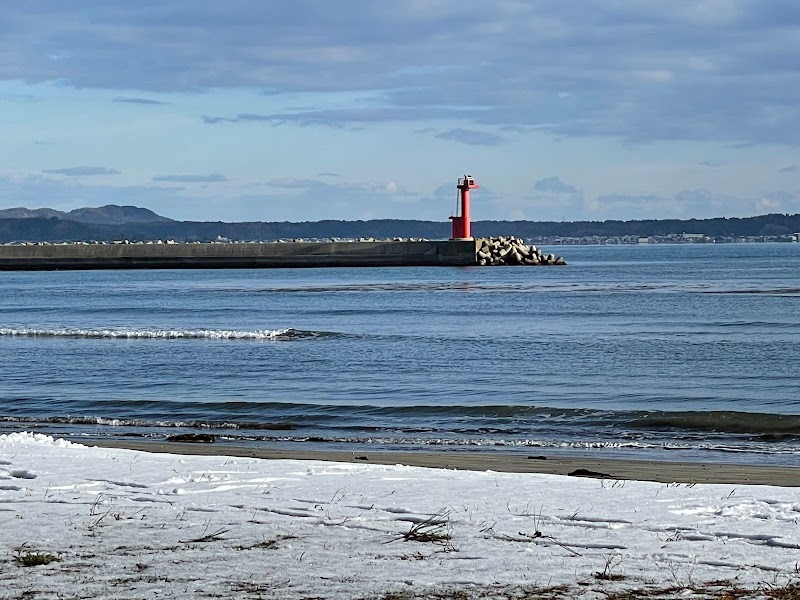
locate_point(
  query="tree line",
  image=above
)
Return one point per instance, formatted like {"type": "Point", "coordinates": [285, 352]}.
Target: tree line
{"type": "Point", "coordinates": [61, 230]}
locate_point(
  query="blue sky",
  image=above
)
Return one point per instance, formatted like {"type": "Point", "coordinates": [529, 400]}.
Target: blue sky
{"type": "Point", "coordinates": [357, 109]}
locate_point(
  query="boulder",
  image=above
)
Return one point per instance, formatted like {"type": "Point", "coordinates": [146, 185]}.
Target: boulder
{"type": "Point", "coordinates": [512, 251]}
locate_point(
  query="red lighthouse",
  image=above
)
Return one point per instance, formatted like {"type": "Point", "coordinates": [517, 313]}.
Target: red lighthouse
{"type": "Point", "coordinates": [461, 224]}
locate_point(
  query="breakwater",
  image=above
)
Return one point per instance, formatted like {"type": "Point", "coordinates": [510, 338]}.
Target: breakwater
{"type": "Point", "coordinates": [512, 251]}
{"type": "Point", "coordinates": [249, 255]}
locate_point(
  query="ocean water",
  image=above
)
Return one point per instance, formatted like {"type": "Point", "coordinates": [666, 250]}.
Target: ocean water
{"type": "Point", "coordinates": [675, 352]}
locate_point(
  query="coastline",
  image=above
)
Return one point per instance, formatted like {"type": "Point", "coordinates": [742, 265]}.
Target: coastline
{"type": "Point", "coordinates": [598, 468]}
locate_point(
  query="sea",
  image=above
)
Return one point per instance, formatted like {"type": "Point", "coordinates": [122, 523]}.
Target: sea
{"type": "Point", "coordinates": [653, 352]}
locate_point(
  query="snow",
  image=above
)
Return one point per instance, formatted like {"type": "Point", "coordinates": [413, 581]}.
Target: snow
{"type": "Point", "coordinates": [128, 524]}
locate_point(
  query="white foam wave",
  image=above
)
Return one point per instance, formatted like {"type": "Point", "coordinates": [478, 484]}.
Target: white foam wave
{"type": "Point", "coordinates": [169, 334]}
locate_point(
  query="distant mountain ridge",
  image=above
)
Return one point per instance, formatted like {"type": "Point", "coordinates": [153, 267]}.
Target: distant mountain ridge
{"type": "Point", "coordinates": [110, 214]}
{"type": "Point", "coordinates": [112, 222]}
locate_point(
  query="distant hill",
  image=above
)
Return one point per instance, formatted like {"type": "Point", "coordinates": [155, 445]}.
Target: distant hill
{"type": "Point", "coordinates": [111, 222]}
{"type": "Point", "coordinates": [27, 213]}
{"type": "Point", "coordinates": [104, 215]}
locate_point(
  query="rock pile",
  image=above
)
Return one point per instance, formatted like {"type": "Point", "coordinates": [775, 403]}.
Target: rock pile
{"type": "Point", "coordinates": [513, 251]}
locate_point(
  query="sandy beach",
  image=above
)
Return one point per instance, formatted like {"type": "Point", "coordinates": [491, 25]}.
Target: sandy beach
{"type": "Point", "coordinates": [598, 468]}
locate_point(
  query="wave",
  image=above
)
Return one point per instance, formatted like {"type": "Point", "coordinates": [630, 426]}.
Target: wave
{"type": "Point", "coordinates": [767, 426]}
{"type": "Point", "coordinates": [485, 443]}
{"type": "Point", "coordinates": [782, 325]}
{"type": "Point", "coordinates": [164, 334]}
{"type": "Point", "coordinates": [445, 420]}
{"type": "Point", "coordinates": [144, 423]}
{"type": "Point", "coordinates": [444, 417]}
{"type": "Point", "coordinates": [523, 443]}
{"type": "Point", "coordinates": [779, 291]}
{"type": "Point", "coordinates": [515, 287]}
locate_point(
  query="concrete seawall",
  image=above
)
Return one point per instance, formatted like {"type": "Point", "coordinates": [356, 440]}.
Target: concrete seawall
{"type": "Point", "coordinates": [237, 256]}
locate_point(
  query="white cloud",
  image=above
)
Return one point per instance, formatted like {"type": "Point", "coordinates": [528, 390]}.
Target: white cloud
{"type": "Point", "coordinates": [209, 178]}
{"type": "Point", "coordinates": [470, 137]}
{"type": "Point", "coordinates": [554, 185]}
{"type": "Point", "coordinates": [698, 203]}
{"type": "Point", "coordinates": [656, 75]}
{"type": "Point", "coordinates": [768, 204]}
{"type": "Point", "coordinates": [82, 171]}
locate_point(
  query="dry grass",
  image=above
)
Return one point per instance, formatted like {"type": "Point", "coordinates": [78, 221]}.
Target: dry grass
{"type": "Point", "coordinates": [33, 558]}
{"type": "Point", "coordinates": [716, 590]}
{"type": "Point", "coordinates": [789, 592]}
{"type": "Point", "coordinates": [493, 592]}
{"type": "Point", "coordinates": [433, 530]}
{"type": "Point", "coordinates": [270, 544]}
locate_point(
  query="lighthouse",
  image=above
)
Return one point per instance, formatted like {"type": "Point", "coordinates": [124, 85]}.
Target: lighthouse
{"type": "Point", "coordinates": [461, 223]}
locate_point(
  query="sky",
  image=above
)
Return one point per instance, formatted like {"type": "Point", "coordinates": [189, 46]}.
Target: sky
{"type": "Point", "coordinates": [300, 111]}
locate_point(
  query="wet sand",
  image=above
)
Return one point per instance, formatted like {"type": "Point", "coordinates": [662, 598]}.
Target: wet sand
{"type": "Point", "coordinates": [611, 469]}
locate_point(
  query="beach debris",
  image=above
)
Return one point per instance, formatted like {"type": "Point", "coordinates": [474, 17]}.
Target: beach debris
{"type": "Point", "coordinates": [588, 473]}
{"type": "Point", "coordinates": [195, 438]}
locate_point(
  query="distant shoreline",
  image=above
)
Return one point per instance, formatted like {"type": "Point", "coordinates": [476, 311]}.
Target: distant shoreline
{"type": "Point", "coordinates": [113, 222]}
{"type": "Point", "coordinates": [605, 469]}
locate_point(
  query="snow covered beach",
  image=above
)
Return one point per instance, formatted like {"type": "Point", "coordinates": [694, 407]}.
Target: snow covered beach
{"type": "Point", "coordinates": [120, 523]}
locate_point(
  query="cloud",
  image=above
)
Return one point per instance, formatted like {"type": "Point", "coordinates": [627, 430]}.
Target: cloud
{"type": "Point", "coordinates": [769, 204]}
{"type": "Point", "coordinates": [241, 118]}
{"type": "Point", "coordinates": [212, 120]}
{"type": "Point", "coordinates": [303, 199]}
{"type": "Point", "coordinates": [37, 191]}
{"type": "Point", "coordinates": [696, 203]}
{"type": "Point", "coordinates": [470, 137]}
{"type": "Point", "coordinates": [555, 186]}
{"type": "Point", "coordinates": [386, 188]}
{"type": "Point", "coordinates": [635, 70]}
{"type": "Point", "coordinates": [145, 101]}
{"type": "Point", "coordinates": [20, 98]}
{"type": "Point", "coordinates": [294, 183]}
{"type": "Point", "coordinates": [283, 199]}
{"type": "Point", "coordinates": [82, 171]}
{"type": "Point", "coordinates": [634, 206]}
{"type": "Point", "coordinates": [789, 169]}
{"type": "Point", "coordinates": [340, 117]}
{"type": "Point", "coordinates": [486, 203]}
{"type": "Point", "coordinates": [779, 202]}
{"type": "Point", "coordinates": [210, 178]}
